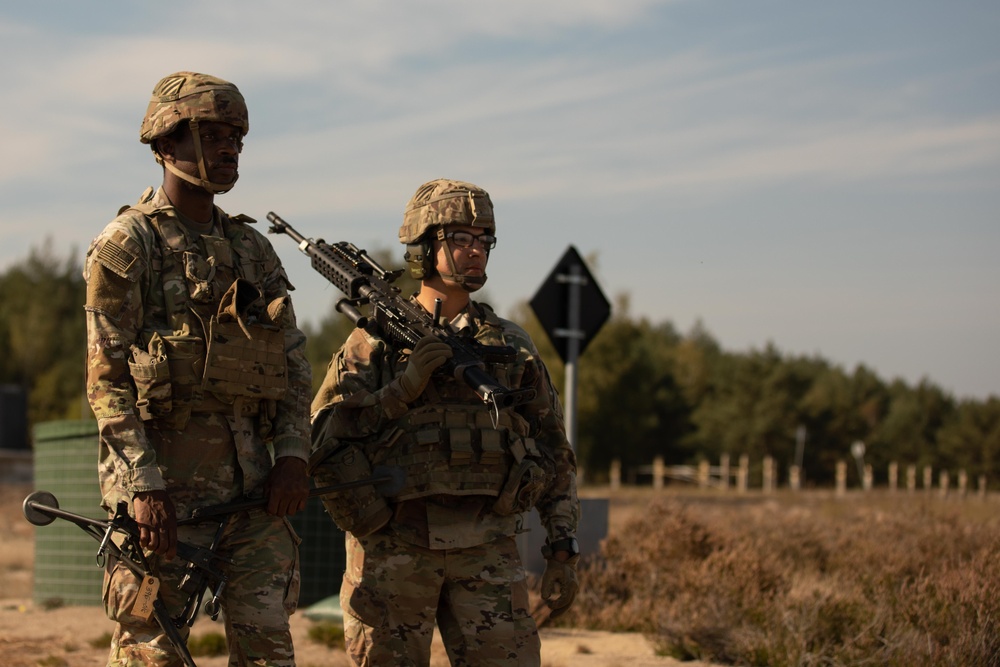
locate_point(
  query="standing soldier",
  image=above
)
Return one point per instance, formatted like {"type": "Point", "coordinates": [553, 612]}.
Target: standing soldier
{"type": "Point", "coordinates": [195, 370]}
{"type": "Point", "coordinates": [442, 549]}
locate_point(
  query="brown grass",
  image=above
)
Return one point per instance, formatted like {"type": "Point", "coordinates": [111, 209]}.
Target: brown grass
{"type": "Point", "coordinates": [800, 579]}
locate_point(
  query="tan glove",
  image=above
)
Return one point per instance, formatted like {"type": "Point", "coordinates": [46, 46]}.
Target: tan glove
{"type": "Point", "coordinates": [560, 575]}
{"type": "Point", "coordinates": [429, 354]}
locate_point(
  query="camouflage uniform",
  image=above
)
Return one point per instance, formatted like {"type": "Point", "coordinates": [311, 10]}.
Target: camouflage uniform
{"type": "Point", "coordinates": [157, 298]}
{"type": "Point", "coordinates": [446, 554]}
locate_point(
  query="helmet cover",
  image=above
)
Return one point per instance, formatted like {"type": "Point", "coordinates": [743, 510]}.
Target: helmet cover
{"type": "Point", "coordinates": [446, 202]}
{"type": "Point", "coordinates": [192, 96]}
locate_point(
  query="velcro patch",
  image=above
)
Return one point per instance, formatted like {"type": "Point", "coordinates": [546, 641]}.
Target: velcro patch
{"type": "Point", "coordinates": [115, 257]}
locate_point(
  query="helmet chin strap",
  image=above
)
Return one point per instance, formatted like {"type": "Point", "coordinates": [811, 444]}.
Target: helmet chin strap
{"type": "Point", "coordinates": [203, 182]}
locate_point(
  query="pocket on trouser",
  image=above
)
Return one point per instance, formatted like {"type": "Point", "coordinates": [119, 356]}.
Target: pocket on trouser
{"type": "Point", "coordinates": [363, 615]}
{"type": "Point", "coordinates": [294, 587]}
{"type": "Point", "coordinates": [121, 590]}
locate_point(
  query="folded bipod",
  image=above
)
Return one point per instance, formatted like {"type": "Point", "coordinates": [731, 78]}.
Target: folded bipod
{"type": "Point", "coordinates": [42, 508]}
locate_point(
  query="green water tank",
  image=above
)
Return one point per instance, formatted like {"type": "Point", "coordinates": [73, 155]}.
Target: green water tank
{"type": "Point", "coordinates": [321, 553]}
{"type": "Point", "coordinates": [66, 569]}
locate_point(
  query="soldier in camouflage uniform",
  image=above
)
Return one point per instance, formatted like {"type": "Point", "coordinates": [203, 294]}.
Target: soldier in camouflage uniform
{"type": "Point", "coordinates": [195, 371]}
{"type": "Point", "coordinates": [442, 550]}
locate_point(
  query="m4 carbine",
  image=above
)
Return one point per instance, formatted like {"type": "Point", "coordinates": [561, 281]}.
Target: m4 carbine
{"type": "Point", "coordinates": [399, 320]}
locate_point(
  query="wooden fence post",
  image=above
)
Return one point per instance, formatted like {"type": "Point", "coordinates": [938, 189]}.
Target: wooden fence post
{"type": "Point", "coordinates": [928, 478]}
{"type": "Point", "coordinates": [841, 478]}
{"type": "Point", "coordinates": [768, 481]}
{"type": "Point", "coordinates": [963, 483]}
{"type": "Point", "coordinates": [794, 478]}
{"type": "Point", "coordinates": [724, 471]}
{"type": "Point", "coordinates": [743, 480]}
{"type": "Point", "coordinates": [868, 479]}
{"type": "Point", "coordinates": [616, 474]}
{"type": "Point", "coordinates": [658, 472]}
{"type": "Point", "coordinates": [893, 476]}
{"type": "Point", "coordinates": [944, 481]}
{"type": "Point", "coordinates": [911, 478]}
{"type": "Point", "coordinates": [703, 473]}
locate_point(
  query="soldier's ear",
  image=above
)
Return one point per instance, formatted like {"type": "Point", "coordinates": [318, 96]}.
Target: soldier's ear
{"type": "Point", "coordinates": [166, 147]}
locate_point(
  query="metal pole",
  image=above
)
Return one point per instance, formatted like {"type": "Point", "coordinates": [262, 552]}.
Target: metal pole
{"type": "Point", "coordinates": [573, 335]}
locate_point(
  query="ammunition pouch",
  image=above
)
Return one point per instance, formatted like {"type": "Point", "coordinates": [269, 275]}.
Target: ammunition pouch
{"type": "Point", "coordinates": [167, 376]}
{"type": "Point", "coordinates": [246, 355]}
{"type": "Point", "coordinates": [361, 510]}
{"type": "Point", "coordinates": [242, 370]}
{"type": "Point", "coordinates": [524, 487]}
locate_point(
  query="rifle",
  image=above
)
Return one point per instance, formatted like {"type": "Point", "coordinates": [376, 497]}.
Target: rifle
{"type": "Point", "coordinates": [400, 321]}
{"type": "Point", "coordinates": [41, 508]}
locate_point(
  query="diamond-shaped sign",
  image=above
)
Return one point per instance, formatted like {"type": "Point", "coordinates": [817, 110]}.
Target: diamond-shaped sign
{"type": "Point", "coordinates": [551, 304]}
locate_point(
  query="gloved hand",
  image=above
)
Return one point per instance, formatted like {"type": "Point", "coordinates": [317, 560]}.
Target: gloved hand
{"type": "Point", "coordinates": [429, 354]}
{"type": "Point", "coordinates": [560, 575]}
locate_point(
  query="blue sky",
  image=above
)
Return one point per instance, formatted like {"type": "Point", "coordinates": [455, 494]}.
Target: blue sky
{"type": "Point", "coordinates": [822, 176]}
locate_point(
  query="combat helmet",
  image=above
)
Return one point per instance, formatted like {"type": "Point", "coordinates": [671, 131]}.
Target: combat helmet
{"type": "Point", "coordinates": [192, 97]}
{"type": "Point", "coordinates": [434, 205]}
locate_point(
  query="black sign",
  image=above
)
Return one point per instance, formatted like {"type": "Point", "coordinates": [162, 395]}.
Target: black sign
{"type": "Point", "coordinates": [552, 301]}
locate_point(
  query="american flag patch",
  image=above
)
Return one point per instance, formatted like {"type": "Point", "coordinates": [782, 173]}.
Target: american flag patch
{"type": "Point", "coordinates": [116, 258]}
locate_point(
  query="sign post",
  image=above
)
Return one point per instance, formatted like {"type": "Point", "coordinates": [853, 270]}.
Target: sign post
{"type": "Point", "coordinates": [571, 308]}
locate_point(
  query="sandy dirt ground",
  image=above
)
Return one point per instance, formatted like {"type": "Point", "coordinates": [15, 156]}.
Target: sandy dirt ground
{"type": "Point", "coordinates": [33, 636]}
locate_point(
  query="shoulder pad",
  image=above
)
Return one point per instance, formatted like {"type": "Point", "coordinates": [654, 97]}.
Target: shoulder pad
{"type": "Point", "coordinates": [121, 255]}
{"type": "Point", "coordinates": [487, 313]}
{"type": "Point", "coordinates": [240, 217]}
{"type": "Point", "coordinates": [142, 204]}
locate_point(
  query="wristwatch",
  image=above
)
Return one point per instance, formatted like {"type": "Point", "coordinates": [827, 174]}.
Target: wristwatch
{"type": "Point", "coordinates": [568, 544]}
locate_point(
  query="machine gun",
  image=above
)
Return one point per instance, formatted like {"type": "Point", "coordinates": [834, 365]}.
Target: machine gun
{"type": "Point", "coordinates": [400, 321]}
{"type": "Point", "coordinates": [204, 563]}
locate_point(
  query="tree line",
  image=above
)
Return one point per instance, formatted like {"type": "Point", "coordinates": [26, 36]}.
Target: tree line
{"type": "Point", "coordinates": [645, 389]}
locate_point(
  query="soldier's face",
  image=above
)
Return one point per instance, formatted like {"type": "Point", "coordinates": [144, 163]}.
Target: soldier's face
{"type": "Point", "coordinates": [221, 144]}
{"type": "Point", "coordinates": [469, 255]}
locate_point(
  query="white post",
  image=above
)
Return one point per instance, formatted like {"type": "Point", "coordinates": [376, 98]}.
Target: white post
{"type": "Point", "coordinates": [794, 478]}
{"type": "Point", "coordinates": [744, 474]}
{"type": "Point", "coordinates": [573, 335]}
{"type": "Point", "coordinates": [616, 474]}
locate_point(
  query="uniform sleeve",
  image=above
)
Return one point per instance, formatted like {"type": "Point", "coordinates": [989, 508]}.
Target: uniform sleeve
{"type": "Point", "coordinates": [559, 506]}
{"type": "Point", "coordinates": [356, 400]}
{"type": "Point", "coordinates": [291, 421]}
{"type": "Point", "coordinates": [116, 263]}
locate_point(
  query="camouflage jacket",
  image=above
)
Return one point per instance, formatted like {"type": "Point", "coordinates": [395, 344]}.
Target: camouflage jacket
{"type": "Point", "coordinates": [355, 403]}
{"type": "Point", "coordinates": [131, 299]}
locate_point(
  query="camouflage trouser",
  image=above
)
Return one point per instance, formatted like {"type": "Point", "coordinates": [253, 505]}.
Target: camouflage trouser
{"type": "Point", "coordinates": [262, 590]}
{"type": "Point", "coordinates": [393, 592]}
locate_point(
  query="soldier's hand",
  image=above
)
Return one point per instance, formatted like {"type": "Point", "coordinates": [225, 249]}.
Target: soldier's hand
{"type": "Point", "coordinates": [157, 519]}
{"type": "Point", "coordinates": [429, 354]}
{"type": "Point", "coordinates": [560, 576]}
{"type": "Point", "coordinates": [287, 486]}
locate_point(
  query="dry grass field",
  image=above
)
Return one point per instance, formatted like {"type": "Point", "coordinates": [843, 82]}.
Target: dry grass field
{"type": "Point", "coordinates": [685, 577]}
{"type": "Point", "coordinates": [802, 579]}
